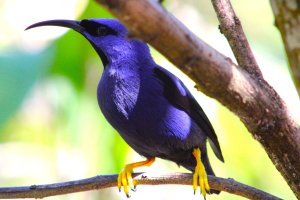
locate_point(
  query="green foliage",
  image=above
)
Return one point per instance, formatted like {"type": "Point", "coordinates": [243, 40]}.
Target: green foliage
{"type": "Point", "coordinates": [48, 102]}
{"type": "Point", "coordinates": [73, 50]}
{"type": "Point", "coordinates": [17, 76]}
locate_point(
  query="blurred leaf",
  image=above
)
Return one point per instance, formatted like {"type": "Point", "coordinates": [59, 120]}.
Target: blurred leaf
{"type": "Point", "coordinates": [94, 10]}
{"type": "Point", "coordinates": [18, 73]}
{"type": "Point", "coordinates": [73, 50]}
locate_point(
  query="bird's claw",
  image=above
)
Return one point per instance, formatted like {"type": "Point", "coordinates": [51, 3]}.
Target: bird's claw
{"type": "Point", "coordinates": [200, 177]}
{"type": "Point", "coordinates": [125, 180]}
{"type": "Point", "coordinates": [134, 188]}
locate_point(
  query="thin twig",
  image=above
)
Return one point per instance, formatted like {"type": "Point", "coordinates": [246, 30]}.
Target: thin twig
{"type": "Point", "coordinates": [106, 181]}
{"type": "Point", "coordinates": [231, 27]}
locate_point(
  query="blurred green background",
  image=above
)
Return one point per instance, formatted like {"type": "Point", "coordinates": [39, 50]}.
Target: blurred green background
{"type": "Point", "coordinates": [51, 128]}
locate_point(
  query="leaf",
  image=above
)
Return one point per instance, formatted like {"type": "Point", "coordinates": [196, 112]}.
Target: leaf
{"type": "Point", "coordinates": [73, 50]}
{"type": "Point", "coordinates": [18, 73]}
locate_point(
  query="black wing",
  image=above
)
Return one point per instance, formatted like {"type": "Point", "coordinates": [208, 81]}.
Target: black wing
{"type": "Point", "coordinates": [177, 93]}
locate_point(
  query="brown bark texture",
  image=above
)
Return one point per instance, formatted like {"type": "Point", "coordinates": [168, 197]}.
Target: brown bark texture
{"type": "Point", "coordinates": [243, 91]}
{"type": "Point", "coordinates": [101, 182]}
{"type": "Point", "coordinates": [287, 20]}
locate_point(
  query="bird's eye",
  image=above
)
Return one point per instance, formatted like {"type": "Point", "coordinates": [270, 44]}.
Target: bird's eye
{"type": "Point", "coordinates": [101, 31]}
{"type": "Point", "coordinates": [97, 29]}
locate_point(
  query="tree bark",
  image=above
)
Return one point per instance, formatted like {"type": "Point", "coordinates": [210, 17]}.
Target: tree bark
{"type": "Point", "coordinates": [231, 27]}
{"type": "Point", "coordinates": [250, 97]}
{"type": "Point", "coordinates": [287, 20]}
{"type": "Point", "coordinates": [101, 182]}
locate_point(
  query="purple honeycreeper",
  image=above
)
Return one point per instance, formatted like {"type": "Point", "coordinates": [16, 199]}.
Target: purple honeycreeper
{"type": "Point", "coordinates": [151, 108]}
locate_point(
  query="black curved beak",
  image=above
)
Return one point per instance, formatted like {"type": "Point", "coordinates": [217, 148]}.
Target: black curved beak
{"type": "Point", "coordinates": [73, 24]}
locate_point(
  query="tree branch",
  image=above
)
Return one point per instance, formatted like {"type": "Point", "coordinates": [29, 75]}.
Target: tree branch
{"type": "Point", "coordinates": [255, 102]}
{"type": "Point", "coordinates": [101, 182]}
{"type": "Point", "coordinates": [287, 20]}
{"type": "Point", "coordinates": [231, 27]}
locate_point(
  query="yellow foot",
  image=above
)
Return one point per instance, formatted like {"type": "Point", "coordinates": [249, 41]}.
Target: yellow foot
{"type": "Point", "coordinates": [125, 178]}
{"type": "Point", "coordinates": [200, 176]}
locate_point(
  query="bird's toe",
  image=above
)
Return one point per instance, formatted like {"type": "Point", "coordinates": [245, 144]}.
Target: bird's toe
{"type": "Point", "coordinates": [200, 176]}
{"type": "Point", "coordinates": [125, 180]}
{"type": "Point", "coordinates": [125, 176]}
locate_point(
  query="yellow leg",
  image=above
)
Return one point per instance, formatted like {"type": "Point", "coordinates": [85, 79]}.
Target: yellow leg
{"type": "Point", "coordinates": [125, 179]}
{"type": "Point", "coordinates": [200, 174]}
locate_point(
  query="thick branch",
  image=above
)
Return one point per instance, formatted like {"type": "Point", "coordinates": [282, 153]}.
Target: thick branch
{"type": "Point", "coordinates": [252, 99]}
{"type": "Point", "coordinates": [101, 182]}
{"type": "Point", "coordinates": [231, 27]}
{"type": "Point", "coordinates": [287, 20]}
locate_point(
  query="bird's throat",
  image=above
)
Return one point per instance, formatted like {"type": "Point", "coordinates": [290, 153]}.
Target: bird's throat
{"type": "Point", "coordinates": [103, 57]}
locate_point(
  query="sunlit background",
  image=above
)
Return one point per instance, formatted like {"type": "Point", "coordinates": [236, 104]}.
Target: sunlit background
{"type": "Point", "coordinates": [52, 130]}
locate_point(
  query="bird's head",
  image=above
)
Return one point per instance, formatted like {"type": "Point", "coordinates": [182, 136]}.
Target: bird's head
{"type": "Point", "coordinates": [103, 34]}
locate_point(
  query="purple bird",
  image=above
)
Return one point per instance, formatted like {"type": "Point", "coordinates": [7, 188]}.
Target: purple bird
{"type": "Point", "coordinates": [150, 107]}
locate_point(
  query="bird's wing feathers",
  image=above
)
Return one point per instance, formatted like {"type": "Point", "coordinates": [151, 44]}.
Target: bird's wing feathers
{"type": "Point", "coordinates": [177, 93]}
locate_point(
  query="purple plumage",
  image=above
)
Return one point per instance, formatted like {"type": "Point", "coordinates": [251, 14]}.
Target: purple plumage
{"type": "Point", "coordinates": [149, 106]}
